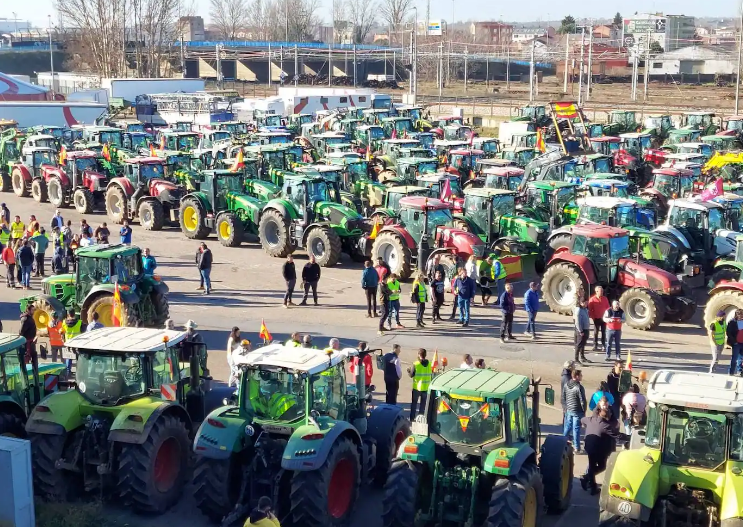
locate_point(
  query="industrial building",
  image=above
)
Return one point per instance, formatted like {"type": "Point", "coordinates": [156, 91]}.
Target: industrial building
{"type": "Point", "coordinates": [693, 60]}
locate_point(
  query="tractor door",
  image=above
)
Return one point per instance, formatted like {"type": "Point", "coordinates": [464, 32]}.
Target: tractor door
{"type": "Point", "coordinates": [329, 392]}
{"type": "Point", "coordinates": [596, 250]}
{"type": "Point", "coordinates": [166, 370]}
{"type": "Point", "coordinates": [12, 381]}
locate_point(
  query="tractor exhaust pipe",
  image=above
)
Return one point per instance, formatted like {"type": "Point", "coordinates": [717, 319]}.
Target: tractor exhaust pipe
{"type": "Point", "coordinates": [534, 439]}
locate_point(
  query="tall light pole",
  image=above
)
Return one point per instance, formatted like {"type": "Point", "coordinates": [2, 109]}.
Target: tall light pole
{"type": "Point", "coordinates": [286, 15]}
{"type": "Point", "coordinates": [415, 55]}
{"type": "Point", "coordinates": [15, 19]}
{"type": "Point", "coordinates": [51, 53]}
{"type": "Point", "coordinates": [740, 50]}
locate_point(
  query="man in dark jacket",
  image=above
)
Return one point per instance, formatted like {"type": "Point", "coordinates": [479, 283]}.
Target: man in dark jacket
{"type": "Point", "coordinates": [602, 432]}
{"type": "Point", "coordinates": [465, 288]}
{"type": "Point", "coordinates": [612, 384]}
{"type": "Point", "coordinates": [28, 331]}
{"type": "Point", "coordinates": [204, 262]}
{"type": "Point", "coordinates": [25, 261]}
{"type": "Point", "coordinates": [310, 277]}
{"type": "Point", "coordinates": [574, 400]}
{"type": "Point", "coordinates": [732, 331]}
{"type": "Point", "coordinates": [507, 308]}
{"type": "Point", "coordinates": [369, 283]}
{"type": "Point", "coordinates": [59, 262]}
{"type": "Point", "coordinates": [392, 374]}
{"type": "Point", "coordinates": [565, 376]}
{"type": "Point", "coordinates": [262, 515]}
{"type": "Point", "coordinates": [289, 272]}
{"type": "Point", "coordinates": [384, 305]}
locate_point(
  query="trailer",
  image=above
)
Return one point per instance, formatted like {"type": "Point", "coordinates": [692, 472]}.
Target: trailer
{"type": "Point", "coordinates": [51, 113]}
{"type": "Point", "coordinates": [245, 109]}
{"type": "Point", "coordinates": [128, 89]}
{"type": "Point", "coordinates": [312, 100]}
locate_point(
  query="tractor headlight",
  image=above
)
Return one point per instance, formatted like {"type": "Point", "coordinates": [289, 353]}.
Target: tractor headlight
{"type": "Point", "coordinates": [540, 230]}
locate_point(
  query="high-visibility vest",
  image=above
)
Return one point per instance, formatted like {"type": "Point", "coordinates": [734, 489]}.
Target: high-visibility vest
{"type": "Point", "coordinates": [501, 274]}
{"type": "Point", "coordinates": [422, 292]}
{"type": "Point", "coordinates": [422, 377]}
{"type": "Point", "coordinates": [17, 228]}
{"type": "Point", "coordinates": [293, 344]}
{"type": "Point", "coordinates": [55, 338]}
{"type": "Point", "coordinates": [484, 269]}
{"type": "Point", "coordinates": [394, 287]}
{"type": "Point", "coordinates": [279, 404]}
{"type": "Point", "coordinates": [718, 332]}
{"type": "Point", "coordinates": [72, 331]}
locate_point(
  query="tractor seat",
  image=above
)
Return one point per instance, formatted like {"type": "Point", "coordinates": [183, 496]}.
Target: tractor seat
{"type": "Point", "coordinates": [696, 447]}
{"type": "Point", "coordinates": [112, 384]}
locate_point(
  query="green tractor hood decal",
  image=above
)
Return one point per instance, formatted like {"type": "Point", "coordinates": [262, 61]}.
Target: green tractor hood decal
{"type": "Point", "coordinates": [263, 190]}
{"type": "Point", "coordinates": [222, 433]}
{"type": "Point", "coordinates": [252, 206]}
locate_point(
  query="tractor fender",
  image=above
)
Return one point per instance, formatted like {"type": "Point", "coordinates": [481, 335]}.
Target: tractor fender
{"type": "Point", "coordinates": [158, 286]}
{"type": "Point", "coordinates": [725, 241]}
{"type": "Point", "coordinates": [726, 286]}
{"type": "Point", "coordinates": [581, 262]}
{"type": "Point", "coordinates": [283, 207]}
{"type": "Point", "coordinates": [400, 231]}
{"type": "Point", "coordinates": [217, 442]}
{"type": "Point", "coordinates": [516, 458]}
{"type": "Point", "coordinates": [56, 414]}
{"type": "Point", "coordinates": [123, 183]}
{"type": "Point", "coordinates": [135, 421]}
{"type": "Point", "coordinates": [308, 228]}
{"type": "Point", "coordinates": [49, 173]}
{"type": "Point", "coordinates": [200, 198]}
{"type": "Point", "coordinates": [526, 246]}
{"type": "Point", "coordinates": [630, 469]}
{"type": "Point", "coordinates": [23, 169]}
{"type": "Point", "coordinates": [380, 421]}
{"type": "Point", "coordinates": [562, 230]}
{"type": "Point", "coordinates": [321, 446]}
{"type": "Point", "coordinates": [732, 500]}
{"type": "Point", "coordinates": [426, 452]}
{"type": "Point", "coordinates": [673, 231]}
{"type": "Point", "coordinates": [9, 406]}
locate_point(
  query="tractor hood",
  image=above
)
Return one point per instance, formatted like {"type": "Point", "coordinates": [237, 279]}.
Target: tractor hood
{"type": "Point", "coordinates": [164, 189]}
{"type": "Point", "coordinates": [338, 214]}
{"type": "Point", "coordinates": [641, 274]}
{"type": "Point", "coordinates": [96, 179]}
{"type": "Point", "coordinates": [625, 159]}
{"type": "Point", "coordinates": [464, 242]}
{"type": "Point", "coordinates": [524, 228]}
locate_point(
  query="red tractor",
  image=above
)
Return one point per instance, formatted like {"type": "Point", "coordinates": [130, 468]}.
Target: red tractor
{"type": "Point", "coordinates": [725, 296]}
{"type": "Point", "coordinates": [143, 192]}
{"type": "Point", "coordinates": [600, 255]}
{"type": "Point", "coordinates": [424, 230]}
{"type": "Point", "coordinates": [81, 182]}
{"type": "Point", "coordinates": [29, 174]}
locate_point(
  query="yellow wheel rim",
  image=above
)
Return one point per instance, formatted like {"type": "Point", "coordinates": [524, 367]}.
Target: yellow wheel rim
{"type": "Point", "coordinates": [105, 314]}
{"type": "Point", "coordinates": [41, 318]}
{"type": "Point", "coordinates": [190, 218]}
{"type": "Point", "coordinates": [529, 519]}
{"type": "Point", "coordinates": [565, 476]}
{"type": "Point", "coordinates": [224, 230]}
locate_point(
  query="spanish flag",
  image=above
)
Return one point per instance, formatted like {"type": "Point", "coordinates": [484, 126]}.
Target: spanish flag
{"type": "Point", "coordinates": [116, 312]}
{"type": "Point", "coordinates": [540, 141]}
{"type": "Point", "coordinates": [152, 151]}
{"type": "Point", "coordinates": [565, 110]}
{"type": "Point", "coordinates": [374, 232]}
{"type": "Point", "coordinates": [106, 153]}
{"type": "Point", "coordinates": [239, 163]}
{"type": "Point", "coordinates": [265, 334]}
{"type": "Point", "coordinates": [62, 155]}
{"type": "Point", "coordinates": [435, 361]}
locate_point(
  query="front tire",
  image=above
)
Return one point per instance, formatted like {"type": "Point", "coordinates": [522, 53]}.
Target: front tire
{"type": "Point", "coordinates": [556, 464]}
{"type": "Point", "coordinates": [104, 306]}
{"type": "Point", "coordinates": [83, 200]}
{"type": "Point", "coordinates": [560, 241]}
{"type": "Point", "coordinates": [325, 245]}
{"type": "Point", "coordinates": [517, 501]}
{"type": "Point", "coordinates": [644, 309]}
{"type": "Point", "coordinates": [387, 449]}
{"type": "Point", "coordinates": [44, 309]}
{"type": "Point", "coordinates": [191, 217]}
{"type": "Point", "coordinates": [727, 301]}
{"type": "Point", "coordinates": [56, 193]}
{"type": "Point", "coordinates": [151, 215]}
{"type": "Point", "coordinates": [18, 183]}
{"type": "Point", "coordinates": [230, 230]}
{"type": "Point", "coordinates": [273, 231]}
{"type": "Point", "coordinates": [402, 499]}
{"type": "Point", "coordinates": [38, 190]}
{"type": "Point", "coordinates": [562, 284]}
{"type": "Point", "coordinates": [116, 205]}
{"type": "Point", "coordinates": [5, 183]}
{"type": "Point", "coordinates": [217, 486]}
{"type": "Point", "coordinates": [50, 482]}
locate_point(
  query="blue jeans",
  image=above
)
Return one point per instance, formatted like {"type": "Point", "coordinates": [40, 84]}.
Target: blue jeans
{"type": "Point", "coordinates": [26, 275]}
{"type": "Point", "coordinates": [530, 323]}
{"type": "Point", "coordinates": [735, 359]}
{"type": "Point", "coordinates": [616, 336]}
{"type": "Point", "coordinates": [572, 425]}
{"type": "Point", "coordinates": [464, 309]}
{"type": "Point", "coordinates": [500, 286]}
{"type": "Point", "coordinates": [205, 273]}
{"type": "Point", "coordinates": [395, 308]}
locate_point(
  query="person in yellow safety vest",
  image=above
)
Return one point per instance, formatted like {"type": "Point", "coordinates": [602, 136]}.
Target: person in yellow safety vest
{"type": "Point", "coordinates": [17, 228]}
{"type": "Point", "coordinates": [71, 327]}
{"type": "Point", "coordinates": [393, 284]}
{"type": "Point", "coordinates": [716, 332]}
{"type": "Point", "coordinates": [421, 373]}
{"type": "Point", "coordinates": [499, 275]}
{"type": "Point", "coordinates": [276, 405]}
{"type": "Point", "coordinates": [294, 341]}
{"type": "Point", "coordinates": [419, 295]}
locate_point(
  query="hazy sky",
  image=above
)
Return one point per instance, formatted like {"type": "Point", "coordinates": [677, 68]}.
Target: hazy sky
{"type": "Point", "coordinates": [37, 10]}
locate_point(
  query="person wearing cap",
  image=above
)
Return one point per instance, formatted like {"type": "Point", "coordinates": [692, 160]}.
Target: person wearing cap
{"type": "Point", "coordinates": [17, 228]}
{"type": "Point", "coordinates": [191, 334]}
{"type": "Point", "coordinates": [531, 305]}
{"type": "Point", "coordinates": [716, 332]}
{"type": "Point", "coordinates": [57, 221]}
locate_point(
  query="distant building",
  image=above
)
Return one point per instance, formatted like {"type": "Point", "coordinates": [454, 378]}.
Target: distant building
{"type": "Point", "coordinates": [527, 34]}
{"type": "Point", "coordinates": [192, 28]}
{"type": "Point", "coordinates": [492, 33]}
{"type": "Point", "coordinates": [669, 31]}
{"type": "Point", "coordinates": [692, 60]}
{"type": "Point", "coordinates": [606, 34]}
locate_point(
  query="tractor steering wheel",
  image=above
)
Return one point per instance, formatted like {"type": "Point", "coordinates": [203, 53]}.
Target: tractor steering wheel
{"type": "Point", "coordinates": [133, 373]}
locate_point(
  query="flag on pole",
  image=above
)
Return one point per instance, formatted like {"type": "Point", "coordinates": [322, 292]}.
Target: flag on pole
{"type": "Point", "coordinates": [106, 153]}
{"type": "Point", "coordinates": [435, 361]}
{"type": "Point", "coordinates": [394, 133]}
{"type": "Point", "coordinates": [446, 190]}
{"type": "Point", "coordinates": [239, 162]}
{"type": "Point", "coordinates": [62, 155]}
{"type": "Point", "coordinates": [629, 361]}
{"type": "Point", "coordinates": [116, 313]}
{"type": "Point", "coordinates": [265, 334]}
{"type": "Point", "coordinates": [712, 192]}
{"type": "Point", "coordinates": [375, 231]}
{"type": "Point", "coordinates": [152, 151]}
{"type": "Point", "coordinates": [540, 141]}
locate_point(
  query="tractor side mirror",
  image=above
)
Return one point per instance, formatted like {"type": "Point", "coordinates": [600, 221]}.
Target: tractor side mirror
{"type": "Point", "coordinates": [549, 396]}
{"type": "Point", "coordinates": [289, 191]}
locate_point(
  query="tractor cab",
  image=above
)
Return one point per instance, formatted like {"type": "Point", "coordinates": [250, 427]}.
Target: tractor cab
{"type": "Point", "coordinates": [534, 113]}
{"type": "Point", "coordinates": [441, 122]}
{"type": "Point", "coordinates": [375, 115]}
{"type": "Point", "coordinates": [658, 125]}
{"type": "Point", "coordinates": [305, 190]}
{"type": "Point", "coordinates": [457, 133]}
{"type": "Point", "coordinates": [606, 187]}
{"type": "Point", "coordinates": [564, 169]}
{"type": "Point", "coordinates": [637, 144]}
{"type": "Point", "coordinates": [393, 195]}
{"type": "Point", "coordinates": [672, 182]}
{"type": "Point", "coordinates": [520, 156]}
{"type": "Point", "coordinates": [416, 151]}
{"type": "Point", "coordinates": [490, 146]}
{"type": "Point", "coordinates": [443, 186]}
{"type": "Point", "coordinates": [462, 162]}
{"type": "Point", "coordinates": [594, 164]}
{"type": "Point", "coordinates": [210, 138]}
{"type": "Point", "coordinates": [38, 141]}
{"type": "Point", "coordinates": [682, 135]}
{"type": "Point", "coordinates": [266, 120]}
{"type": "Point", "coordinates": [271, 157]}
{"type": "Point", "coordinates": [135, 141]}
{"type": "Point", "coordinates": [233, 128]}
{"type": "Point", "coordinates": [607, 146]}
{"type": "Point", "coordinates": [524, 140]}
{"type": "Point", "coordinates": [409, 169]}
{"type": "Point", "coordinates": [700, 227]}
{"type": "Point", "coordinates": [733, 123]}
{"type": "Point", "coordinates": [35, 158]}
{"type": "Point", "coordinates": [722, 142]}
{"type": "Point", "coordinates": [702, 149]}
{"type": "Point", "coordinates": [703, 122]}
{"type": "Point", "coordinates": [143, 169]}
{"type": "Point", "coordinates": [271, 138]}
{"type": "Point", "coordinates": [620, 122]}
{"type": "Point", "coordinates": [322, 142]}
{"type": "Point", "coordinates": [218, 185]}
{"type": "Point", "coordinates": [613, 211]}
{"type": "Point", "coordinates": [297, 120]}
{"type": "Point", "coordinates": [550, 201]}
{"type": "Point", "coordinates": [103, 135]}
{"type": "Point", "coordinates": [426, 139]}
{"type": "Point", "coordinates": [85, 164]}
{"type": "Point", "coordinates": [369, 135]}
{"type": "Point", "coordinates": [424, 216]}
{"type": "Point", "coordinates": [181, 126]}
{"type": "Point", "coordinates": [504, 178]}
{"type": "Point", "coordinates": [395, 127]}
{"type": "Point", "coordinates": [733, 210]}
{"type": "Point", "coordinates": [129, 125]}
{"type": "Point", "coordinates": [603, 245]}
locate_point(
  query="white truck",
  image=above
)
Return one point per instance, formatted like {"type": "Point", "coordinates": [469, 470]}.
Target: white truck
{"type": "Point", "coordinates": [128, 89]}
{"type": "Point", "coordinates": [508, 128]}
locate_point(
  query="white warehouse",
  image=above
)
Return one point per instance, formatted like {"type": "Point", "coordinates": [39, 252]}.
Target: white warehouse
{"type": "Point", "coordinates": [694, 60]}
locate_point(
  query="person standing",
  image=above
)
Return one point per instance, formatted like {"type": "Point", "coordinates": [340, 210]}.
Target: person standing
{"type": "Point", "coordinates": [233, 343]}
{"type": "Point", "coordinates": [393, 285]}
{"type": "Point", "coordinates": [57, 221]}
{"type": "Point", "coordinates": [597, 306]}
{"type": "Point", "coordinates": [289, 272]}
{"type": "Point", "coordinates": [369, 283]}
{"type": "Point", "coordinates": [310, 278]}
{"type": "Point", "coordinates": [614, 318]}
{"type": "Point", "coordinates": [384, 306]}
{"type": "Point", "coordinates": [467, 362]}
{"type": "Point", "coordinates": [28, 331]}
{"type": "Point", "coordinates": [53, 331]}
{"type": "Point", "coordinates": [582, 326]}
{"type": "Point", "coordinates": [102, 233]}
{"type": "Point", "coordinates": [472, 267]}
{"type": "Point", "coordinates": [464, 287]}
{"type": "Point", "coordinates": [453, 289]}
{"type": "Point", "coordinates": [437, 294]}
{"type": "Point", "coordinates": [17, 228]}
{"type": "Point", "coordinates": [602, 432]}
{"type": "Point", "coordinates": [125, 233]}
{"type": "Point", "coordinates": [574, 399]}
{"type": "Point", "coordinates": [366, 365]}
{"type": "Point", "coordinates": [565, 376]}
{"type": "Point", "coordinates": [8, 256]}
{"type": "Point", "coordinates": [85, 240]}
{"type": "Point", "coordinates": [5, 214]}
{"type": "Point", "coordinates": [735, 340]}
{"type": "Point", "coordinates": [71, 327]}
{"type": "Point", "coordinates": [421, 373]}
{"type": "Point", "coordinates": [499, 275]}
{"type": "Point", "coordinates": [25, 258]}
{"type": "Point", "coordinates": [85, 229]}
{"type": "Point", "coordinates": [434, 265]}
{"type": "Point", "coordinates": [716, 333]}
{"type": "Point", "coordinates": [633, 409]}
{"type": "Point", "coordinates": [59, 262]}
{"type": "Point", "coordinates": [419, 296]}
{"type": "Point", "coordinates": [507, 308]}
{"type": "Point", "coordinates": [392, 374]}
{"type": "Point", "coordinates": [612, 384]}
{"type": "Point", "coordinates": [205, 267]}
{"type": "Point", "coordinates": [262, 515]}
{"type": "Point", "coordinates": [531, 305]}
{"type": "Point", "coordinates": [484, 272]}
{"type": "Point", "coordinates": [149, 264]}
{"type": "Point", "coordinates": [383, 270]}
{"type": "Point", "coordinates": [95, 324]}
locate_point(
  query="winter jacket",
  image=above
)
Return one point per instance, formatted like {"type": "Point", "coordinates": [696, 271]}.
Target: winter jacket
{"type": "Point", "coordinates": [507, 303]}
{"type": "Point", "coordinates": [465, 288]}
{"type": "Point", "coordinates": [125, 233]}
{"type": "Point", "coordinates": [574, 398]}
{"type": "Point", "coordinates": [205, 261]}
{"type": "Point", "coordinates": [596, 397]}
{"type": "Point", "coordinates": [531, 301]}
{"type": "Point", "coordinates": [382, 271]}
{"type": "Point", "coordinates": [59, 263]}
{"type": "Point", "coordinates": [28, 327]}
{"type": "Point", "coordinates": [580, 317]}
{"type": "Point", "coordinates": [601, 433]}
{"type": "Point", "coordinates": [8, 256]}
{"type": "Point", "coordinates": [369, 278]}
{"type": "Point", "coordinates": [311, 272]}
{"type": "Point", "coordinates": [149, 264]}
{"type": "Point", "coordinates": [41, 242]}
{"type": "Point", "coordinates": [289, 271]}
{"type": "Point", "coordinates": [25, 256]}
{"type": "Point", "coordinates": [612, 382]}
{"type": "Point", "coordinates": [731, 331]}
{"type": "Point", "coordinates": [597, 306]}
{"type": "Point", "coordinates": [384, 292]}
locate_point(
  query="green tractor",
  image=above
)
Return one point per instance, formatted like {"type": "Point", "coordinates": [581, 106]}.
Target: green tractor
{"type": "Point", "coordinates": [19, 393]}
{"type": "Point", "coordinates": [298, 433]}
{"type": "Point", "coordinates": [220, 205]}
{"type": "Point", "coordinates": [475, 457]}
{"type": "Point", "coordinates": [621, 122]}
{"type": "Point", "coordinates": [407, 170]}
{"type": "Point", "coordinates": [705, 122]}
{"type": "Point", "coordinates": [183, 168]}
{"type": "Point", "coordinates": [682, 467]}
{"type": "Point", "coordinates": [309, 214]}
{"type": "Point", "coordinates": [387, 204]}
{"type": "Point", "coordinates": [9, 156]}
{"type": "Point", "coordinates": [179, 141]}
{"type": "Point", "coordinates": [550, 201]}
{"type": "Point", "coordinates": [124, 430]}
{"type": "Point", "coordinates": [395, 127]}
{"type": "Point", "coordinates": [90, 289]}
{"type": "Point", "coordinates": [534, 113]}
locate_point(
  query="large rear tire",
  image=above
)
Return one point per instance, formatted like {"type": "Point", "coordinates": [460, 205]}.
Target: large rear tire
{"type": "Point", "coordinates": [50, 483]}
{"type": "Point", "coordinates": [5, 183]}
{"type": "Point", "coordinates": [387, 448]}
{"type": "Point", "coordinates": [392, 250]}
{"type": "Point", "coordinates": [643, 309]}
{"type": "Point", "coordinates": [116, 204]}
{"type": "Point", "coordinates": [84, 200]}
{"type": "Point", "coordinates": [556, 465]}
{"type": "Point", "coordinates": [18, 183]}
{"type": "Point", "coordinates": [230, 230]}
{"type": "Point", "coordinates": [104, 306]}
{"type": "Point", "coordinates": [727, 301]}
{"type": "Point", "coordinates": [44, 309]}
{"type": "Point", "coordinates": [162, 309]}
{"type": "Point", "coordinates": [56, 193]}
{"type": "Point", "coordinates": [517, 501]}
{"type": "Point", "coordinates": [151, 215]}
{"type": "Point", "coordinates": [273, 230]}
{"type": "Point", "coordinates": [191, 216]}
{"type": "Point", "coordinates": [12, 426]}
{"type": "Point", "coordinates": [326, 497]}
{"type": "Point", "coordinates": [401, 500]}
{"type": "Point", "coordinates": [38, 191]}
{"type": "Point", "coordinates": [560, 241]}
{"type": "Point", "coordinates": [152, 475]}
{"type": "Point", "coordinates": [216, 486]}
{"type": "Point", "coordinates": [561, 285]}
{"type": "Point", "coordinates": [325, 245]}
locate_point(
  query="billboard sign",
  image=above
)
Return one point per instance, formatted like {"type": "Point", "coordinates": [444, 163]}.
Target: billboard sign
{"type": "Point", "coordinates": [653, 25]}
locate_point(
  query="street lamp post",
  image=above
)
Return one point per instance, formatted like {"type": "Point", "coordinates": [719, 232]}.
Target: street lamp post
{"type": "Point", "coordinates": [51, 53]}
{"type": "Point", "coordinates": [15, 19]}
{"type": "Point", "coordinates": [740, 51]}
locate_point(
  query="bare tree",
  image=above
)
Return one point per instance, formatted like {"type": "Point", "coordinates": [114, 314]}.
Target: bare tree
{"type": "Point", "coordinates": [258, 11]}
{"type": "Point", "coordinates": [340, 20]}
{"type": "Point", "coordinates": [229, 16]}
{"type": "Point", "coordinates": [363, 16]}
{"type": "Point", "coordinates": [154, 28]}
{"type": "Point", "coordinates": [394, 12]}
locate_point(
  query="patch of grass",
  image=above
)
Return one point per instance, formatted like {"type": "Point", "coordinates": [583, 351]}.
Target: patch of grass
{"type": "Point", "coordinates": [72, 515]}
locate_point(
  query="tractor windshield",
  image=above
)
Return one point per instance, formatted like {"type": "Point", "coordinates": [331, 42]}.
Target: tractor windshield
{"type": "Point", "coordinates": [437, 217]}
{"type": "Point", "coordinates": [376, 132]}
{"type": "Point", "coordinates": [182, 162]}
{"type": "Point", "coordinates": [626, 216]}
{"type": "Point", "coordinates": [45, 157]}
{"type": "Point", "coordinates": [666, 185]}
{"type": "Point", "coordinates": [275, 396]}
{"type": "Point", "coordinates": [358, 170]}
{"type": "Point", "coordinates": [187, 142]}
{"type": "Point", "coordinates": [127, 267]}
{"type": "Point", "coordinates": [112, 138]}
{"type": "Point", "coordinates": [151, 170]}
{"type": "Point", "coordinates": [270, 120]}
{"type": "Point", "coordinates": [105, 379]}
{"type": "Point", "coordinates": [427, 168]}
{"type": "Point", "coordinates": [86, 163]}
{"type": "Point", "coordinates": [220, 135]}
{"type": "Point", "coordinates": [524, 157]}
{"type": "Point", "coordinates": [317, 191]}
{"type": "Point", "coordinates": [139, 141]}
{"type": "Point", "coordinates": [135, 127]}
{"type": "Point", "coordinates": [695, 439]}
{"type": "Point", "coordinates": [229, 184]}
{"type": "Point", "coordinates": [274, 159]}
{"type": "Point", "coordinates": [503, 205]}
{"type": "Point", "coordinates": [655, 251]}
{"type": "Point", "coordinates": [619, 248]}
{"type": "Point", "coordinates": [11, 380]}
{"type": "Point", "coordinates": [468, 422]}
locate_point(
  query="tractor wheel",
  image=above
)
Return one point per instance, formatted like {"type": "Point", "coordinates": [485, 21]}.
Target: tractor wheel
{"type": "Point", "coordinates": [38, 191]}
{"type": "Point", "coordinates": [230, 230]}
{"type": "Point", "coordinates": [401, 499]}
{"type": "Point", "coordinates": [151, 215]}
{"type": "Point", "coordinates": [556, 466]}
{"type": "Point", "coordinates": [19, 184]}
{"type": "Point", "coordinates": [116, 204]}
{"type": "Point", "coordinates": [560, 241]}
{"type": "Point", "coordinates": [326, 497]}
{"type": "Point", "coordinates": [5, 183]}
{"type": "Point", "coordinates": [44, 311]}
{"type": "Point", "coordinates": [217, 484]}
{"type": "Point", "coordinates": [104, 306]}
{"type": "Point", "coordinates": [517, 501]}
{"type": "Point", "coordinates": [644, 309]}
{"type": "Point", "coordinates": [392, 250]}
{"type": "Point", "coordinates": [12, 426]}
{"type": "Point", "coordinates": [191, 217]}
{"type": "Point", "coordinates": [449, 261]}
{"type": "Point", "coordinates": [387, 450]}
{"type": "Point", "coordinates": [50, 483]}
{"type": "Point", "coordinates": [273, 231]}
{"type": "Point", "coordinates": [561, 285]}
{"type": "Point", "coordinates": [83, 200]}
{"type": "Point", "coordinates": [727, 301]}
{"type": "Point", "coordinates": [56, 192]}
{"type": "Point", "coordinates": [152, 475]}
{"type": "Point", "coordinates": [726, 274]}
{"type": "Point", "coordinates": [325, 245]}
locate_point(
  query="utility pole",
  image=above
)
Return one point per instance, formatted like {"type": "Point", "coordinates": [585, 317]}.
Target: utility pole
{"type": "Point", "coordinates": [487, 69]}
{"type": "Point", "coordinates": [531, 71]}
{"type": "Point", "coordinates": [647, 69]}
{"type": "Point", "coordinates": [354, 65]}
{"type": "Point", "coordinates": [590, 65]}
{"type": "Point", "coordinates": [51, 53]}
{"type": "Point", "coordinates": [183, 59]}
{"type": "Point", "coordinates": [508, 68]}
{"type": "Point", "coordinates": [415, 56]}
{"type": "Point", "coordinates": [441, 68]}
{"type": "Point", "coordinates": [567, 58]}
{"type": "Point", "coordinates": [740, 48]}
{"type": "Point", "coordinates": [466, 58]}
{"type": "Point", "coordinates": [330, 65]}
{"type": "Point", "coordinates": [635, 68]}
{"type": "Point", "coordinates": [270, 65]}
{"type": "Point", "coordinates": [296, 65]}
{"type": "Point", "coordinates": [219, 67]}
{"type": "Point", "coordinates": [580, 71]}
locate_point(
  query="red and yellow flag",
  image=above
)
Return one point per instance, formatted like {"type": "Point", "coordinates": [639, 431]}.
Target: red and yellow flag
{"type": "Point", "coordinates": [62, 155]}
{"type": "Point", "coordinates": [162, 143]}
{"type": "Point", "coordinates": [265, 334]}
{"type": "Point", "coordinates": [152, 151]}
{"type": "Point", "coordinates": [435, 361]}
{"type": "Point", "coordinates": [485, 410]}
{"type": "Point", "coordinates": [565, 110]}
{"type": "Point", "coordinates": [541, 146]}
{"type": "Point", "coordinates": [239, 162]}
{"type": "Point", "coordinates": [106, 153]}
{"type": "Point", "coordinates": [375, 231]}
{"type": "Point", "coordinates": [116, 313]}
{"type": "Point", "coordinates": [464, 422]}
{"type": "Point", "coordinates": [444, 407]}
